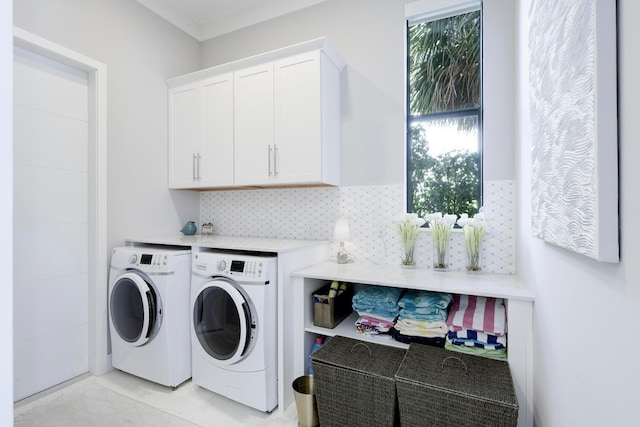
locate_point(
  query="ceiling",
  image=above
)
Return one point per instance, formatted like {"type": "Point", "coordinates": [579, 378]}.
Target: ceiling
{"type": "Point", "coordinates": [205, 19]}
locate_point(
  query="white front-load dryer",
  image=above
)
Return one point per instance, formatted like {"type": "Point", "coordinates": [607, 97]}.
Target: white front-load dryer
{"type": "Point", "coordinates": [234, 326]}
{"type": "Point", "coordinates": [149, 290]}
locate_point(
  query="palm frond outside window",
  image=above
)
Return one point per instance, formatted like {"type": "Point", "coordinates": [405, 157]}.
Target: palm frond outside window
{"type": "Point", "coordinates": [444, 124]}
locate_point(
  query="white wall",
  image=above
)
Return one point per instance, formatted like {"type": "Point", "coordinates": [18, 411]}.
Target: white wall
{"type": "Point", "coordinates": [498, 126]}
{"type": "Point", "coordinates": [370, 35]}
{"type": "Point", "coordinates": [6, 214]}
{"type": "Point", "coordinates": [586, 313]}
{"type": "Point", "coordinates": [141, 51]}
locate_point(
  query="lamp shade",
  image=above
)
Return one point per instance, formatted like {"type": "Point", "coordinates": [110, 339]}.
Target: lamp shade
{"type": "Point", "coordinates": [341, 231]}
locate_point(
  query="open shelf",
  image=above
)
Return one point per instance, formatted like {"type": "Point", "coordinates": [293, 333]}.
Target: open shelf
{"type": "Point", "coordinates": [518, 297]}
{"type": "Point", "coordinates": [347, 328]}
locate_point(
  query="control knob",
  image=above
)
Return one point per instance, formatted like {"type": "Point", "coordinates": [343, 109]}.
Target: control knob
{"type": "Point", "coordinates": [133, 258]}
{"type": "Point", "coordinates": [222, 265]}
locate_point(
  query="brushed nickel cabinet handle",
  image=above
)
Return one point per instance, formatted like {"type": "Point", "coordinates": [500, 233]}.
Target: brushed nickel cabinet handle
{"type": "Point", "coordinates": [194, 166]}
{"type": "Point", "coordinates": [275, 161]}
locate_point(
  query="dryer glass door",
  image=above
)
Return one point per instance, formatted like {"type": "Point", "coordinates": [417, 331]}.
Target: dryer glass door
{"type": "Point", "coordinates": [134, 309]}
{"type": "Point", "coordinates": [222, 321]}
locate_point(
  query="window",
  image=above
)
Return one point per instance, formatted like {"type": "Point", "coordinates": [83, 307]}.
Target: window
{"type": "Point", "coordinates": [444, 112]}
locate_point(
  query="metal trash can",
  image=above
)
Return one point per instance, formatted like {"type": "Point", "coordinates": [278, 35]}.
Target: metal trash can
{"type": "Point", "coordinates": [304, 391]}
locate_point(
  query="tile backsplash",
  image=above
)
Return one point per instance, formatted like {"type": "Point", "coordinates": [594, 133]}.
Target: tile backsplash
{"type": "Point", "coordinates": [310, 213]}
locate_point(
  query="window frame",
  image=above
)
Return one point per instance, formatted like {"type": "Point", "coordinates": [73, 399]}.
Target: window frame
{"type": "Point", "coordinates": [432, 10]}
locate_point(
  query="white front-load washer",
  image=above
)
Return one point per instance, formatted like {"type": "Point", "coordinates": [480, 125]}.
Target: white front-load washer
{"type": "Point", "coordinates": [234, 326]}
{"type": "Point", "coordinates": [149, 290]}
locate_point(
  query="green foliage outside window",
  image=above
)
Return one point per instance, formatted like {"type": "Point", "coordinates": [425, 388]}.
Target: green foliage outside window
{"type": "Point", "coordinates": [446, 183]}
{"type": "Point", "coordinates": [444, 89]}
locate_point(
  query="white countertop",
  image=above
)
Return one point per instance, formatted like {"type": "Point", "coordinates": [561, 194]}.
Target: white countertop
{"type": "Point", "coordinates": [255, 244]}
{"type": "Point", "coordinates": [490, 285]}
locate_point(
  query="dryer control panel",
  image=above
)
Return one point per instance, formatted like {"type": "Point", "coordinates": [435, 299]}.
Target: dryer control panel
{"type": "Point", "coordinates": [149, 260]}
{"type": "Point", "coordinates": [240, 267]}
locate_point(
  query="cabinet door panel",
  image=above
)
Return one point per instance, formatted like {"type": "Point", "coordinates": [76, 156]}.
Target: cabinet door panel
{"type": "Point", "coordinates": [298, 119]}
{"type": "Point", "coordinates": [253, 89]}
{"type": "Point", "coordinates": [216, 165]}
{"type": "Point", "coordinates": [185, 135]}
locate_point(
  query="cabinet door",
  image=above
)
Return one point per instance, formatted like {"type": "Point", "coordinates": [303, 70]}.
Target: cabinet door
{"type": "Point", "coordinates": [307, 119]}
{"type": "Point", "coordinates": [253, 125]}
{"type": "Point", "coordinates": [216, 164]}
{"type": "Point", "coordinates": [298, 129]}
{"type": "Point", "coordinates": [185, 135]}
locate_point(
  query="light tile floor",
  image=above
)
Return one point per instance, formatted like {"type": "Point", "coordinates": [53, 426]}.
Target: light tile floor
{"type": "Point", "coordinates": [120, 399]}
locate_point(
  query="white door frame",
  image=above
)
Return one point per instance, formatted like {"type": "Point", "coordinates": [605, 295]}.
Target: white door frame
{"type": "Point", "coordinates": [99, 361]}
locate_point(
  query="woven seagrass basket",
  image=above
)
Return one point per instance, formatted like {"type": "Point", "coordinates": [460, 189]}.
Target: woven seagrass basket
{"type": "Point", "coordinates": [438, 387]}
{"type": "Point", "coordinates": [355, 383]}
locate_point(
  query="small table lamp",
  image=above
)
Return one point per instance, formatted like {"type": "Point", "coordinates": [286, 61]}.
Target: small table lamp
{"type": "Point", "coordinates": [341, 233]}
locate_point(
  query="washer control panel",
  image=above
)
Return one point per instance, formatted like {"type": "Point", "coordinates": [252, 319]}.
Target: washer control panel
{"type": "Point", "coordinates": [157, 260]}
{"type": "Point", "coordinates": [245, 267]}
{"type": "Point", "coordinates": [240, 267]}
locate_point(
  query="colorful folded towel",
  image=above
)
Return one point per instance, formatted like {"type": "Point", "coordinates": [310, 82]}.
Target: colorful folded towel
{"type": "Point", "coordinates": [417, 299]}
{"type": "Point", "coordinates": [381, 297]}
{"type": "Point", "coordinates": [491, 354]}
{"type": "Point", "coordinates": [373, 325]}
{"type": "Point", "coordinates": [471, 338]}
{"type": "Point", "coordinates": [388, 315]}
{"type": "Point", "coordinates": [482, 314]}
{"type": "Point", "coordinates": [420, 328]}
{"type": "Point", "coordinates": [434, 315]}
{"type": "Point", "coordinates": [408, 339]}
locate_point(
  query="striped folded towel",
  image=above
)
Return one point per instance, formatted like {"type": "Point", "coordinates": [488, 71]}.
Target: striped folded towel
{"type": "Point", "coordinates": [483, 314]}
{"type": "Point", "coordinates": [472, 338]}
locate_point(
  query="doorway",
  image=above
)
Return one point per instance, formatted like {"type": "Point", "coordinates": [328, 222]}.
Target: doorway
{"type": "Point", "coordinates": [59, 216]}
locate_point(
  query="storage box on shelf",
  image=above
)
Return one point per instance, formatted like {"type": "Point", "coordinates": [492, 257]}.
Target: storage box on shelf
{"type": "Point", "coordinates": [443, 388]}
{"type": "Point", "coordinates": [345, 326]}
{"type": "Point", "coordinates": [355, 384]}
{"type": "Point", "coordinates": [329, 310]}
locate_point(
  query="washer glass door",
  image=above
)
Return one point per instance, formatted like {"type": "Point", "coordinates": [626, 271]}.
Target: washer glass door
{"type": "Point", "coordinates": [222, 321]}
{"type": "Point", "coordinates": [135, 309]}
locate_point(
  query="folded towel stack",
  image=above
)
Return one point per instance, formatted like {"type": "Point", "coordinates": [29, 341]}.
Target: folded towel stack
{"type": "Point", "coordinates": [377, 307]}
{"type": "Point", "coordinates": [478, 325]}
{"type": "Point", "coordinates": [422, 317]}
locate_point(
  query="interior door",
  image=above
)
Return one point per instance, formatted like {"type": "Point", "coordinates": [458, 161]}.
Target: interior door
{"type": "Point", "coordinates": [51, 140]}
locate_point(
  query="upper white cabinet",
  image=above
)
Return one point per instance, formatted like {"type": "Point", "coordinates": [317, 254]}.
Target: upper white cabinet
{"type": "Point", "coordinates": [264, 121]}
{"type": "Point", "coordinates": [253, 123]}
{"type": "Point", "coordinates": [307, 120]}
{"type": "Point", "coordinates": [201, 133]}
{"type": "Point", "coordinates": [185, 135]}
